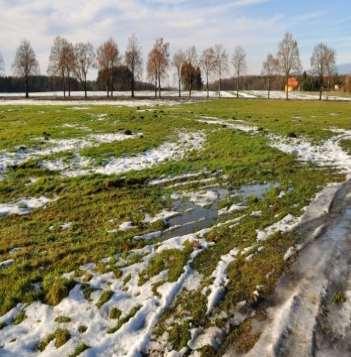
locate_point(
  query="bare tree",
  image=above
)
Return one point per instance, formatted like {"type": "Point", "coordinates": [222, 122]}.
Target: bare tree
{"type": "Point", "coordinates": [221, 64]}
{"type": "Point", "coordinates": [289, 58]}
{"type": "Point", "coordinates": [192, 63]}
{"type": "Point", "coordinates": [25, 64]}
{"type": "Point", "coordinates": [2, 65]}
{"type": "Point", "coordinates": [84, 60]}
{"type": "Point", "coordinates": [239, 64]}
{"type": "Point", "coordinates": [270, 68]}
{"type": "Point", "coordinates": [69, 63]}
{"type": "Point", "coordinates": [133, 59]}
{"type": "Point", "coordinates": [107, 58]}
{"type": "Point", "coordinates": [61, 61]}
{"type": "Point", "coordinates": [178, 61]}
{"type": "Point", "coordinates": [208, 64]}
{"type": "Point", "coordinates": [323, 64]}
{"type": "Point", "coordinates": [152, 68]}
{"type": "Point", "coordinates": [158, 62]}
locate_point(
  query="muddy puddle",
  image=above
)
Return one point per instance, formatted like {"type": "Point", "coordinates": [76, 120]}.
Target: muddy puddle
{"type": "Point", "coordinates": [195, 215]}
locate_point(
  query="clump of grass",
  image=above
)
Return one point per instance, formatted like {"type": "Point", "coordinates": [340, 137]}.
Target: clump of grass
{"type": "Point", "coordinates": [57, 290]}
{"type": "Point", "coordinates": [42, 344]}
{"type": "Point", "coordinates": [104, 297]}
{"type": "Point", "coordinates": [172, 260]}
{"type": "Point", "coordinates": [339, 298]}
{"type": "Point", "coordinates": [21, 316]}
{"type": "Point", "coordinates": [179, 335]}
{"type": "Point", "coordinates": [61, 337]}
{"type": "Point", "coordinates": [115, 313]}
{"type": "Point", "coordinates": [126, 280]}
{"type": "Point", "coordinates": [63, 319]}
{"type": "Point", "coordinates": [124, 319]}
{"type": "Point", "coordinates": [79, 349]}
{"type": "Point", "coordinates": [155, 287]}
{"type": "Point", "coordinates": [82, 328]}
{"type": "Point", "coordinates": [86, 290]}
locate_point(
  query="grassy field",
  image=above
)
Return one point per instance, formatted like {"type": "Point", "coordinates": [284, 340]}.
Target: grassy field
{"type": "Point", "coordinates": [48, 249]}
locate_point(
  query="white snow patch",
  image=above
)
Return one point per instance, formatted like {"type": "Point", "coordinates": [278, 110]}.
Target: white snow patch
{"type": "Point", "coordinates": [23, 206]}
{"type": "Point", "coordinates": [6, 263]}
{"type": "Point", "coordinates": [231, 124]}
{"type": "Point", "coordinates": [54, 146]}
{"type": "Point", "coordinates": [328, 153]}
{"type": "Point", "coordinates": [285, 225]}
{"type": "Point", "coordinates": [167, 151]}
{"type": "Point", "coordinates": [220, 279]}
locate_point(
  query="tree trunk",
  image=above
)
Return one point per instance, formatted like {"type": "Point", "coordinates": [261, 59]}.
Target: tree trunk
{"type": "Point", "coordinates": [287, 87]}
{"type": "Point", "coordinates": [179, 87]}
{"type": "Point", "coordinates": [208, 93]}
{"type": "Point", "coordinates": [237, 85]}
{"type": "Point", "coordinates": [85, 89]}
{"type": "Point", "coordinates": [27, 86]}
{"type": "Point", "coordinates": [69, 85]}
{"type": "Point", "coordinates": [269, 87]}
{"type": "Point", "coordinates": [159, 86]}
{"type": "Point", "coordinates": [133, 84]}
{"type": "Point", "coordinates": [219, 86]}
{"type": "Point", "coordinates": [64, 85]}
{"type": "Point", "coordinates": [155, 87]}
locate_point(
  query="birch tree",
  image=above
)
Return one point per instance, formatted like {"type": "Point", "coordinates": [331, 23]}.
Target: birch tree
{"type": "Point", "coordinates": [85, 59]}
{"type": "Point", "coordinates": [239, 64]}
{"type": "Point", "coordinates": [68, 63]}
{"type": "Point", "coordinates": [323, 64]}
{"type": "Point", "coordinates": [289, 58]}
{"type": "Point", "coordinates": [25, 64]}
{"type": "Point", "coordinates": [158, 62]}
{"type": "Point", "coordinates": [178, 61]}
{"type": "Point", "coordinates": [107, 59]}
{"type": "Point", "coordinates": [57, 65]}
{"type": "Point", "coordinates": [208, 64]}
{"type": "Point", "coordinates": [221, 64]}
{"type": "Point", "coordinates": [270, 68]}
{"type": "Point", "coordinates": [133, 60]}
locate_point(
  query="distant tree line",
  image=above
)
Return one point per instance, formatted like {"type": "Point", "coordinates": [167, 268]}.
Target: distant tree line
{"type": "Point", "coordinates": [70, 65]}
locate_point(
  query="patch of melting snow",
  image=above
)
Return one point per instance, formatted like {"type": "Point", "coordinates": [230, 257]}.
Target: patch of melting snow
{"type": "Point", "coordinates": [231, 124]}
{"type": "Point", "coordinates": [126, 226]}
{"type": "Point", "coordinates": [285, 225]}
{"type": "Point", "coordinates": [23, 206]}
{"type": "Point", "coordinates": [328, 153]}
{"type": "Point", "coordinates": [220, 279]}
{"type": "Point", "coordinates": [167, 151]}
{"type": "Point", "coordinates": [6, 263]}
{"type": "Point", "coordinates": [54, 146]}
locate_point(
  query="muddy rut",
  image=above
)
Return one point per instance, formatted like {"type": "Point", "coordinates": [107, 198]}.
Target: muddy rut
{"type": "Point", "coordinates": [310, 311]}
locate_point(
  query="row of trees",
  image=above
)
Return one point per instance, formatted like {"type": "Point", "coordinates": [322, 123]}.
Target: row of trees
{"type": "Point", "coordinates": [69, 61]}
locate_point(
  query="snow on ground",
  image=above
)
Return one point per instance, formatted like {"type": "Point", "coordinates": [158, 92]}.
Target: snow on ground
{"type": "Point", "coordinates": [295, 95]}
{"type": "Point", "coordinates": [54, 146]}
{"type": "Point", "coordinates": [220, 279]}
{"type": "Point", "coordinates": [80, 166]}
{"type": "Point", "coordinates": [201, 198]}
{"type": "Point", "coordinates": [135, 300]}
{"type": "Point", "coordinates": [285, 225]}
{"type": "Point", "coordinates": [141, 95]}
{"type": "Point", "coordinates": [328, 153]}
{"type": "Point", "coordinates": [23, 206]}
{"type": "Point", "coordinates": [232, 124]}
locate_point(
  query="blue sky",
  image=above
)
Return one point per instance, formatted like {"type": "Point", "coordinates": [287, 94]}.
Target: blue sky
{"type": "Point", "coordinates": [257, 25]}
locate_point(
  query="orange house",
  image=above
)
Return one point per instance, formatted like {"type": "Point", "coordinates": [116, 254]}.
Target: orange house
{"type": "Point", "coordinates": [293, 84]}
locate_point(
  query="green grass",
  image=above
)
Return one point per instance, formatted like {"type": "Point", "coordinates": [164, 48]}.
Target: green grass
{"type": "Point", "coordinates": [104, 297]}
{"type": "Point", "coordinates": [79, 349]}
{"type": "Point", "coordinates": [172, 260]}
{"type": "Point", "coordinates": [98, 204]}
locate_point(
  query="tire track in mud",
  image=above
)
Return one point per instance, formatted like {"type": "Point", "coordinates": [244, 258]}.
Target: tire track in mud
{"type": "Point", "coordinates": [304, 318]}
